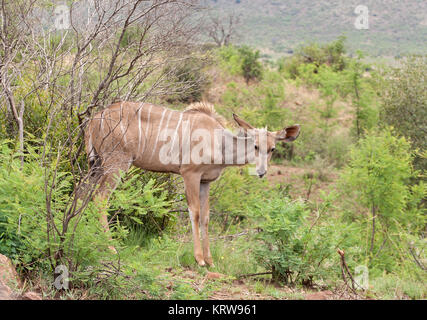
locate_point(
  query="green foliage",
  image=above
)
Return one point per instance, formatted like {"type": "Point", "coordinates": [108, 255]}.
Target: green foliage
{"type": "Point", "coordinates": [242, 61]}
{"type": "Point", "coordinates": [260, 105]}
{"type": "Point", "coordinates": [330, 54]}
{"type": "Point", "coordinates": [404, 102]}
{"type": "Point", "coordinates": [392, 287]}
{"type": "Point", "coordinates": [251, 67]}
{"type": "Point", "coordinates": [22, 235]}
{"type": "Point", "coordinates": [378, 177]}
{"type": "Point", "coordinates": [294, 252]}
{"type": "Point", "coordinates": [84, 246]}
{"type": "Point", "coordinates": [230, 59]}
{"type": "Point", "coordinates": [235, 183]}
{"type": "Point", "coordinates": [142, 203]}
{"type": "Point", "coordinates": [362, 92]}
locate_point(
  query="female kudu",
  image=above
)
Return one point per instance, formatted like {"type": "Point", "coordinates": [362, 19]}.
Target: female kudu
{"type": "Point", "coordinates": [193, 143]}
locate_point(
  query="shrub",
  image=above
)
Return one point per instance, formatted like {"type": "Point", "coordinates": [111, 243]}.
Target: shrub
{"type": "Point", "coordinates": [33, 243]}
{"type": "Point", "coordinates": [142, 202]}
{"type": "Point", "coordinates": [230, 59]}
{"type": "Point", "coordinates": [242, 61]}
{"type": "Point", "coordinates": [251, 67]}
{"type": "Point", "coordinates": [188, 80]}
{"type": "Point", "coordinates": [22, 236]}
{"type": "Point", "coordinates": [362, 93]}
{"type": "Point", "coordinates": [288, 246]}
{"type": "Point", "coordinates": [378, 177]}
{"type": "Point", "coordinates": [331, 54]}
{"type": "Point", "coordinates": [234, 184]}
{"type": "Point", "coordinates": [404, 102]}
{"type": "Point", "coordinates": [23, 227]}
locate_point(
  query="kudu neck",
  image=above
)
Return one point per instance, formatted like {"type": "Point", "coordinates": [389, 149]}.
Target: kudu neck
{"type": "Point", "coordinates": [239, 150]}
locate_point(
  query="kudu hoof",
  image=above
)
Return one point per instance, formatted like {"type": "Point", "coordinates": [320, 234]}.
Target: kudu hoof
{"type": "Point", "coordinates": [201, 262]}
{"type": "Point", "coordinates": [209, 262]}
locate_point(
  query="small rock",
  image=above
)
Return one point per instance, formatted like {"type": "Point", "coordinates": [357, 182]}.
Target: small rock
{"type": "Point", "coordinates": [5, 292]}
{"type": "Point", "coordinates": [214, 275]}
{"type": "Point", "coordinates": [8, 273]}
{"type": "Point", "coordinates": [8, 278]}
{"type": "Point", "coordinates": [9, 281]}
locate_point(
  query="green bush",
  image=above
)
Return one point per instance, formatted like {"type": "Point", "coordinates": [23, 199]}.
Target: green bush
{"type": "Point", "coordinates": [251, 67]}
{"type": "Point", "coordinates": [242, 61]}
{"type": "Point", "coordinates": [330, 54]}
{"type": "Point", "coordinates": [33, 244]}
{"type": "Point", "coordinates": [377, 177]}
{"type": "Point", "coordinates": [235, 183]}
{"type": "Point", "coordinates": [404, 102]}
{"type": "Point", "coordinates": [22, 205]}
{"type": "Point", "coordinates": [141, 202]}
{"type": "Point", "coordinates": [288, 246]}
{"type": "Point", "coordinates": [23, 228]}
{"type": "Point", "coordinates": [362, 91]}
{"type": "Point", "coordinates": [230, 59]}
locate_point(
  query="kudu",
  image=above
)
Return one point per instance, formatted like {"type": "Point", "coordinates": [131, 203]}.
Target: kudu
{"type": "Point", "coordinates": [193, 143]}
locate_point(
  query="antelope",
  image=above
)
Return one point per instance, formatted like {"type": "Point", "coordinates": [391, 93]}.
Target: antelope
{"type": "Point", "coordinates": [193, 143]}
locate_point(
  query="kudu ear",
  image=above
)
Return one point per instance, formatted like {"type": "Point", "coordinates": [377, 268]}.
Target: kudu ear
{"type": "Point", "coordinates": [242, 123]}
{"type": "Point", "coordinates": [288, 134]}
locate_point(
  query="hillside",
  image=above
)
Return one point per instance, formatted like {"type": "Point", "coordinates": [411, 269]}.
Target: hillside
{"type": "Point", "coordinates": [277, 26]}
{"type": "Point", "coordinates": [120, 180]}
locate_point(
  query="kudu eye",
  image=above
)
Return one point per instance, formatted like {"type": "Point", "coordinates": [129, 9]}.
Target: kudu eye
{"type": "Point", "coordinates": [256, 147]}
{"type": "Point", "coordinates": [272, 149]}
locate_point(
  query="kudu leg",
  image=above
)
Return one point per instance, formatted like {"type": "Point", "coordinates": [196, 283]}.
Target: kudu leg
{"type": "Point", "coordinates": [204, 213]}
{"type": "Point", "coordinates": [107, 184]}
{"type": "Point", "coordinates": [192, 190]}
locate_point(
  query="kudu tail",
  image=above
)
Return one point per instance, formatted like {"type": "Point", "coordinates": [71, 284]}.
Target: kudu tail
{"type": "Point", "coordinates": [93, 157]}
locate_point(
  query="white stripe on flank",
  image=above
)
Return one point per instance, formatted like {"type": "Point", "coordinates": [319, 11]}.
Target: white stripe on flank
{"type": "Point", "coordinates": [102, 122]}
{"type": "Point", "coordinates": [169, 117]}
{"type": "Point", "coordinates": [158, 133]}
{"type": "Point", "coordinates": [90, 147]}
{"type": "Point", "coordinates": [139, 128]}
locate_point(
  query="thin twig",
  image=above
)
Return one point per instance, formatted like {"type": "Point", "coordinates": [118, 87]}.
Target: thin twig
{"type": "Point", "coordinates": [253, 274]}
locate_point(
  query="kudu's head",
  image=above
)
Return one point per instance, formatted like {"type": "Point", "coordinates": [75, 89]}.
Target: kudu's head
{"type": "Point", "coordinates": [265, 142]}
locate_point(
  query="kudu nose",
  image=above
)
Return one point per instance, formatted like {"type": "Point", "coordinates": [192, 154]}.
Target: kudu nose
{"type": "Point", "coordinates": [261, 174]}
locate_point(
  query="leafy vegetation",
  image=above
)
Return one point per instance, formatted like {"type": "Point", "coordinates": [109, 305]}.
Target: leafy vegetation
{"type": "Point", "coordinates": [404, 102]}
{"type": "Point", "coordinates": [378, 175]}
{"type": "Point", "coordinates": [349, 182]}
{"type": "Point", "coordinates": [293, 252]}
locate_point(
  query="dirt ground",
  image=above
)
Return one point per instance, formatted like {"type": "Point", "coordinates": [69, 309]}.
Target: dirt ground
{"type": "Point", "coordinates": [245, 289]}
{"type": "Point", "coordinates": [301, 182]}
